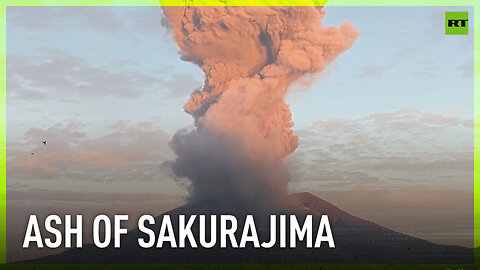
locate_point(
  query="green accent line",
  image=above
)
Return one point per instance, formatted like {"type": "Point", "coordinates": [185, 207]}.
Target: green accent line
{"type": "Point", "coordinates": [3, 126]}
{"type": "Point", "coordinates": [476, 15]}
{"type": "Point", "coordinates": [476, 82]}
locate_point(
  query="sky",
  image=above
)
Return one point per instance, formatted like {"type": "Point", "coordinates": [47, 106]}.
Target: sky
{"type": "Point", "coordinates": [385, 131]}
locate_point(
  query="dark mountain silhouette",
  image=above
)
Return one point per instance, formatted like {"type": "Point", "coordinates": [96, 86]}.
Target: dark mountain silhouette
{"type": "Point", "coordinates": [357, 241]}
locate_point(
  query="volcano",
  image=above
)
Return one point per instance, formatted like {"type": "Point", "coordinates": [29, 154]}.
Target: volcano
{"type": "Point", "coordinates": [356, 241]}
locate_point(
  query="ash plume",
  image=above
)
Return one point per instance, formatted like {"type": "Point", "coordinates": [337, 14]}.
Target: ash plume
{"type": "Point", "coordinates": [243, 126]}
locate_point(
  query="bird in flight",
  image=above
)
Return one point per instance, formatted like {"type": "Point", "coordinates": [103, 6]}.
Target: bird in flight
{"type": "Point", "coordinates": [44, 142]}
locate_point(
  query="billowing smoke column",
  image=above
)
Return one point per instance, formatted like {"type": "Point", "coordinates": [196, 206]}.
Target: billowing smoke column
{"type": "Point", "coordinates": [243, 127]}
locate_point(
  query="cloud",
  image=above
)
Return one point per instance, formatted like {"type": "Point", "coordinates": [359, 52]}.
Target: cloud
{"type": "Point", "coordinates": [372, 70]}
{"type": "Point", "coordinates": [414, 121]}
{"type": "Point", "coordinates": [430, 70]}
{"type": "Point", "coordinates": [132, 151]}
{"type": "Point", "coordinates": [72, 197]}
{"type": "Point", "coordinates": [22, 91]}
{"type": "Point", "coordinates": [57, 74]}
{"type": "Point", "coordinates": [385, 150]}
{"type": "Point", "coordinates": [466, 69]}
{"type": "Point", "coordinates": [188, 84]}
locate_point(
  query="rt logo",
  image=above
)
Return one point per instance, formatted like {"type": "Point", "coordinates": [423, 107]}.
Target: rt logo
{"type": "Point", "coordinates": [456, 23]}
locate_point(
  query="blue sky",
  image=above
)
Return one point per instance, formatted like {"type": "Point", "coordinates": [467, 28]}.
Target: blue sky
{"type": "Point", "coordinates": [105, 86]}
